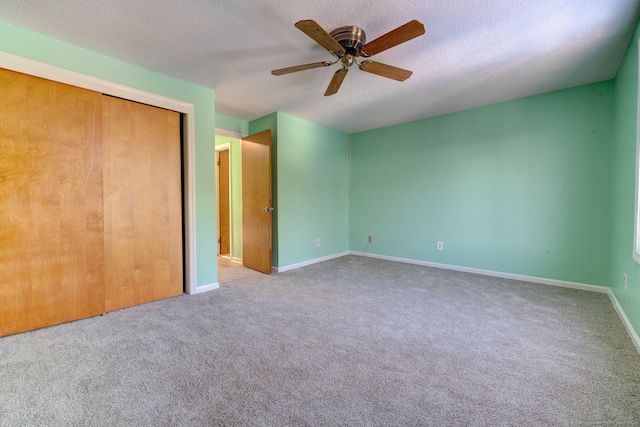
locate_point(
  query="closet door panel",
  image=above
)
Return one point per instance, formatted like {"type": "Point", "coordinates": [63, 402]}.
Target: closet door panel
{"type": "Point", "coordinates": [143, 203]}
{"type": "Point", "coordinates": [51, 229]}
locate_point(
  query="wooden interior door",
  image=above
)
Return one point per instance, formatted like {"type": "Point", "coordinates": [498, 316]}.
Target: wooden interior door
{"type": "Point", "coordinates": [256, 201]}
{"type": "Point", "coordinates": [224, 202]}
{"type": "Point", "coordinates": [143, 203]}
{"type": "Point", "coordinates": [51, 225]}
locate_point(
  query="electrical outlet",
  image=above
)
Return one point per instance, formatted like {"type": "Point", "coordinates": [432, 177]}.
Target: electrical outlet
{"type": "Point", "coordinates": [369, 239]}
{"type": "Point", "coordinates": [624, 280]}
{"type": "Point", "coordinates": [317, 242]}
{"type": "Point", "coordinates": [440, 246]}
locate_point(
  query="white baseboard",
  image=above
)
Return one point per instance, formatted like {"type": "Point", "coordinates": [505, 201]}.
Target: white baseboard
{"type": "Point", "coordinates": [204, 288]}
{"type": "Point", "coordinates": [625, 320]}
{"type": "Point", "coordinates": [635, 339]}
{"type": "Point", "coordinates": [311, 261]}
{"type": "Point", "coordinates": [520, 277]}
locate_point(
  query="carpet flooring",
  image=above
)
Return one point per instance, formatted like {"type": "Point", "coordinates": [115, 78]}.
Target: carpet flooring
{"type": "Point", "coordinates": [353, 341]}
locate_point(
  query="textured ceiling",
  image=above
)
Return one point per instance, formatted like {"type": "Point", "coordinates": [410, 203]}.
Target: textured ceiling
{"type": "Point", "coordinates": [474, 52]}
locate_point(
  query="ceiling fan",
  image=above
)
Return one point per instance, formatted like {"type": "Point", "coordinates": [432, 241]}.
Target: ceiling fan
{"type": "Point", "coordinates": [349, 42]}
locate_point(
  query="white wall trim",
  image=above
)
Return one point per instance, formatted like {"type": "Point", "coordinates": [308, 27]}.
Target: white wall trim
{"type": "Point", "coordinates": [205, 288]}
{"type": "Point", "coordinates": [309, 262]}
{"type": "Point", "coordinates": [229, 133]}
{"type": "Point", "coordinates": [520, 277]}
{"type": "Point", "coordinates": [636, 217]}
{"type": "Point", "coordinates": [62, 75]}
{"type": "Point", "coordinates": [625, 320]}
{"type": "Point", "coordinates": [635, 339]}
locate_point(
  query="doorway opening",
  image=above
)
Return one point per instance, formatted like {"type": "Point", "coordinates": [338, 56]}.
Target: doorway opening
{"type": "Point", "coordinates": [229, 211]}
{"type": "Point", "coordinates": [244, 203]}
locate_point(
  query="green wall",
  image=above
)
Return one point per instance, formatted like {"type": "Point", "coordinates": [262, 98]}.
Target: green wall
{"type": "Point", "coordinates": [541, 186]}
{"type": "Point", "coordinates": [28, 44]}
{"type": "Point", "coordinates": [235, 164]}
{"type": "Point", "coordinates": [518, 187]}
{"type": "Point", "coordinates": [232, 124]}
{"type": "Point", "coordinates": [311, 188]}
{"type": "Point", "coordinates": [624, 184]}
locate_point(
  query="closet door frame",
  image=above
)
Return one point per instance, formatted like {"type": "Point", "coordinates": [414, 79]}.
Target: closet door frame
{"type": "Point", "coordinates": [61, 75]}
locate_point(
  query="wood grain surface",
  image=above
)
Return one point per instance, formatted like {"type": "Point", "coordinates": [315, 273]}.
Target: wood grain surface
{"type": "Point", "coordinates": [256, 195]}
{"type": "Point", "coordinates": [51, 230]}
{"type": "Point", "coordinates": [143, 203]}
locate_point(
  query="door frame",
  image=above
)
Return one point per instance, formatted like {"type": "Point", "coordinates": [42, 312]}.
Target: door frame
{"type": "Point", "coordinates": [61, 75]}
{"type": "Point", "coordinates": [224, 147]}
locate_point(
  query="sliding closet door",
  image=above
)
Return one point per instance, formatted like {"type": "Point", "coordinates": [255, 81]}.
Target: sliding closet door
{"type": "Point", "coordinates": [51, 235]}
{"type": "Point", "coordinates": [143, 203]}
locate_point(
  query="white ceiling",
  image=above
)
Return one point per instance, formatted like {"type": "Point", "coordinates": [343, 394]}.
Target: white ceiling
{"type": "Point", "coordinates": [474, 52]}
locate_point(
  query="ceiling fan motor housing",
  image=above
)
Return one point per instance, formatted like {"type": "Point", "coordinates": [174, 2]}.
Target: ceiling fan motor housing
{"type": "Point", "coordinates": [351, 38]}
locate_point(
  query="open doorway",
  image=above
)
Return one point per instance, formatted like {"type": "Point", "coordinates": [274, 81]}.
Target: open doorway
{"type": "Point", "coordinates": [228, 171]}
{"type": "Point", "coordinates": [244, 209]}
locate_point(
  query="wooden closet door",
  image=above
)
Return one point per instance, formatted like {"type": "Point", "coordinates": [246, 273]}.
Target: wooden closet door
{"type": "Point", "coordinates": [51, 235]}
{"type": "Point", "coordinates": [143, 203]}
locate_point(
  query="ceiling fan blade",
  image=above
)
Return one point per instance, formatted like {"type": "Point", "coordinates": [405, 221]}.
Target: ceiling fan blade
{"type": "Point", "coordinates": [317, 33]}
{"type": "Point", "coordinates": [336, 81]}
{"type": "Point", "coordinates": [385, 70]}
{"type": "Point", "coordinates": [406, 32]}
{"type": "Point", "coordinates": [296, 68]}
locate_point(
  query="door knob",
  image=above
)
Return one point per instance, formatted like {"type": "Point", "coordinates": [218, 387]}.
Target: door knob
{"type": "Point", "coordinates": [269, 209]}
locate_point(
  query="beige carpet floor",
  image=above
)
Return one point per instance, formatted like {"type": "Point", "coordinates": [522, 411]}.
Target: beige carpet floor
{"type": "Point", "coordinates": [349, 342]}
